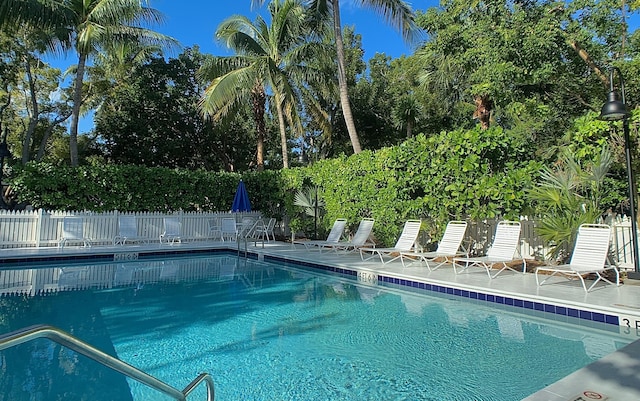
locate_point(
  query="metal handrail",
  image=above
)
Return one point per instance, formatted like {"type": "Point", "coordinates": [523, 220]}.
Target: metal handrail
{"type": "Point", "coordinates": [65, 339]}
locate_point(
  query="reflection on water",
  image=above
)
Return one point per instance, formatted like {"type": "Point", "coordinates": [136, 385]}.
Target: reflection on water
{"type": "Point", "coordinates": [44, 280]}
{"type": "Point", "coordinates": [300, 334]}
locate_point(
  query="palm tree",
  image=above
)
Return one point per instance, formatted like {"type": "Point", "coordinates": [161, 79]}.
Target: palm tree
{"type": "Point", "coordinates": [267, 60]}
{"type": "Point", "coordinates": [406, 113]}
{"type": "Point", "coordinates": [396, 12]}
{"type": "Point", "coordinates": [87, 26]}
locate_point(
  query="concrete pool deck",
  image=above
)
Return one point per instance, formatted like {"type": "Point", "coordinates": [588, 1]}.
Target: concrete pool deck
{"type": "Point", "coordinates": [614, 377]}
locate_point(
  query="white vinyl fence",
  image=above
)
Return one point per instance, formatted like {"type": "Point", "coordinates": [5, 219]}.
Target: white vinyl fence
{"type": "Point", "coordinates": [38, 228]}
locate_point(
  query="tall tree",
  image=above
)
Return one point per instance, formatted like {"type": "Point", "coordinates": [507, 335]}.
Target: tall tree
{"type": "Point", "coordinates": [153, 119]}
{"type": "Point", "coordinates": [36, 104]}
{"type": "Point", "coordinates": [396, 12]}
{"type": "Point", "coordinates": [117, 64]}
{"type": "Point", "coordinates": [87, 26]}
{"type": "Point", "coordinates": [267, 60]}
{"type": "Point", "coordinates": [521, 64]}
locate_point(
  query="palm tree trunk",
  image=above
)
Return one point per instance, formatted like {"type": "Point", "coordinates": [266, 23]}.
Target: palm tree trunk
{"type": "Point", "coordinates": [484, 106]}
{"type": "Point", "coordinates": [342, 80]}
{"type": "Point", "coordinates": [75, 114]}
{"type": "Point", "coordinates": [259, 101]}
{"type": "Point", "coordinates": [283, 133]}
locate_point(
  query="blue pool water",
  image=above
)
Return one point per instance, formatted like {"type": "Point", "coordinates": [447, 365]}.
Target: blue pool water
{"type": "Point", "coordinates": [266, 332]}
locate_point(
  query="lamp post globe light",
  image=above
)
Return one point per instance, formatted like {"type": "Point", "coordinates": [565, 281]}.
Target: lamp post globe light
{"type": "Point", "coordinates": [616, 110]}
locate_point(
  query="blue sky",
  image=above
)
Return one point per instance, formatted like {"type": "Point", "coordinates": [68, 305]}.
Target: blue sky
{"type": "Point", "coordinates": [196, 25]}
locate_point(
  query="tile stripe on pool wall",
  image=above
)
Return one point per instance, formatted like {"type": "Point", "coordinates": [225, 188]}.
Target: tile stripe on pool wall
{"type": "Point", "coordinates": [498, 299]}
{"type": "Point", "coordinates": [109, 256]}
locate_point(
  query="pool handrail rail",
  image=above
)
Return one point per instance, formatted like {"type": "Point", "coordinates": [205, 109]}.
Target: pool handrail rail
{"type": "Point", "coordinates": [65, 339]}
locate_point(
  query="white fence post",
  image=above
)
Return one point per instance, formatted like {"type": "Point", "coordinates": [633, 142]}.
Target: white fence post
{"type": "Point", "coordinates": [38, 227]}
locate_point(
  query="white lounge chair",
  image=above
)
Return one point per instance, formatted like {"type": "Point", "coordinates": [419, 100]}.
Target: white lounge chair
{"type": "Point", "coordinates": [589, 257]}
{"type": "Point", "coordinates": [405, 242]}
{"type": "Point", "coordinates": [73, 231]}
{"type": "Point", "coordinates": [360, 238]}
{"type": "Point", "coordinates": [128, 231]}
{"type": "Point", "coordinates": [502, 251]}
{"type": "Point", "coordinates": [172, 231]}
{"type": "Point", "coordinates": [334, 235]}
{"type": "Point", "coordinates": [448, 247]}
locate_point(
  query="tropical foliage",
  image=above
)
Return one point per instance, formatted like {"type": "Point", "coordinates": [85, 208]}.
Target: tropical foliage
{"type": "Point", "coordinates": [87, 27]}
{"type": "Point", "coordinates": [568, 196]}
{"type": "Point", "coordinates": [498, 98]}
{"type": "Point", "coordinates": [451, 175]}
{"type": "Point", "coordinates": [268, 58]}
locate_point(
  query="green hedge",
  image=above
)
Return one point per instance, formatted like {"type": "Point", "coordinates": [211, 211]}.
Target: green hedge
{"type": "Point", "coordinates": [451, 175]}
{"type": "Point", "coordinates": [134, 188]}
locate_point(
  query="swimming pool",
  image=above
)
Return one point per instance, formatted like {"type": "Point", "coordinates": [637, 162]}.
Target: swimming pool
{"type": "Point", "coordinates": [267, 332]}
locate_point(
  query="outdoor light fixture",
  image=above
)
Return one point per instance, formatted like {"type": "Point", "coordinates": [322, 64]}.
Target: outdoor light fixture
{"type": "Point", "coordinates": [616, 110]}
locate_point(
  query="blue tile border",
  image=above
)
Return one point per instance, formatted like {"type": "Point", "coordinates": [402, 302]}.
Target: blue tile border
{"type": "Point", "coordinates": [109, 256]}
{"type": "Point", "coordinates": [475, 295]}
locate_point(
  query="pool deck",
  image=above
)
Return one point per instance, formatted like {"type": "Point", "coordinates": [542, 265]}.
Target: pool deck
{"type": "Point", "coordinates": [614, 377]}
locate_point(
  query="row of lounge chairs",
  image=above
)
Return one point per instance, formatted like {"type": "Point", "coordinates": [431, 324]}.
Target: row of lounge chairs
{"type": "Point", "coordinates": [589, 257]}
{"type": "Point", "coordinates": [334, 240]}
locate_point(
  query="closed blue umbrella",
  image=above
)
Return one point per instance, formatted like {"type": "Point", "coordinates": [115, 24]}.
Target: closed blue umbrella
{"type": "Point", "coordinates": [241, 201]}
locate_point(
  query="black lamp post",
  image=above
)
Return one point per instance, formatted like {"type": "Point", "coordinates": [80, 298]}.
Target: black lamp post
{"type": "Point", "coordinates": [4, 152]}
{"type": "Point", "coordinates": [616, 110]}
{"type": "Point", "coordinates": [315, 215]}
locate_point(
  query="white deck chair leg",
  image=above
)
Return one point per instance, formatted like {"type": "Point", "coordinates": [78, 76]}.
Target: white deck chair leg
{"type": "Point", "coordinates": [455, 265]}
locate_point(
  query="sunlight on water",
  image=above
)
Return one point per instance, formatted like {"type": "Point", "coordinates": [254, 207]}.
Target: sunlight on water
{"type": "Point", "coordinates": [270, 333]}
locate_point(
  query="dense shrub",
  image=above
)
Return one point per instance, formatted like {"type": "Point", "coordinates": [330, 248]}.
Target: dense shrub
{"type": "Point", "coordinates": [477, 174]}
{"type": "Point", "coordinates": [136, 188]}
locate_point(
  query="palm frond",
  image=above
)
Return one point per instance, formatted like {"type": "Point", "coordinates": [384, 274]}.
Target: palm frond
{"type": "Point", "coordinates": [309, 199]}
{"type": "Point", "coordinates": [225, 91]}
{"type": "Point", "coordinates": [398, 14]}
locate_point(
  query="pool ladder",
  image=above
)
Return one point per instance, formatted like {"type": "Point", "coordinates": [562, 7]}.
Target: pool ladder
{"type": "Point", "coordinates": [67, 340]}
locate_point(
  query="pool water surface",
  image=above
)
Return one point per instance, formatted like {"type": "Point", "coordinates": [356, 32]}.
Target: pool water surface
{"type": "Point", "coordinates": [266, 332]}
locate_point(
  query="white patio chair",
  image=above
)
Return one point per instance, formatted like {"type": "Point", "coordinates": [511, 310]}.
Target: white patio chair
{"type": "Point", "coordinates": [502, 251]}
{"type": "Point", "coordinates": [405, 242]}
{"type": "Point", "coordinates": [215, 231]}
{"type": "Point", "coordinates": [73, 231]}
{"type": "Point", "coordinates": [448, 247]}
{"type": "Point", "coordinates": [247, 227]}
{"type": "Point", "coordinates": [271, 225]}
{"type": "Point", "coordinates": [128, 231]}
{"type": "Point", "coordinates": [228, 229]}
{"type": "Point", "coordinates": [172, 231]}
{"type": "Point", "coordinates": [589, 256]}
